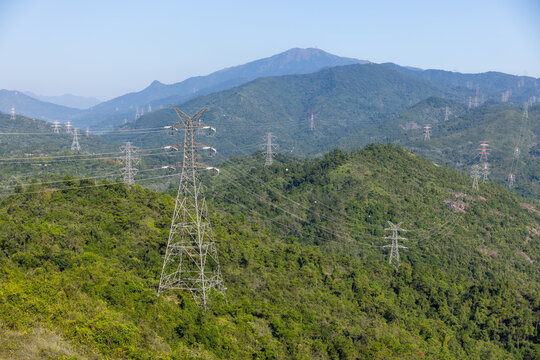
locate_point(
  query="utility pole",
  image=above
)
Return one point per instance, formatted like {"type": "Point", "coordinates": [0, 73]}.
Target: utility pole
{"type": "Point", "coordinates": [312, 123]}
{"type": "Point", "coordinates": [129, 160]}
{"type": "Point", "coordinates": [56, 129]}
{"type": "Point", "coordinates": [269, 156]}
{"type": "Point", "coordinates": [75, 144]}
{"type": "Point", "coordinates": [394, 247]}
{"type": "Point", "coordinates": [13, 113]}
{"type": "Point", "coordinates": [475, 174]}
{"type": "Point", "coordinates": [191, 259]}
{"type": "Point", "coordinates": [427, 132]}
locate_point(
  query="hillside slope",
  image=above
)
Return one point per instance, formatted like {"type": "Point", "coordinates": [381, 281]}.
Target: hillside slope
{"type": "Point", "coordinates": [80, 266]}
{"type": "Point", "coordinates": [349, 103]}
{"type": "Point", "coordinates": [455, 142]}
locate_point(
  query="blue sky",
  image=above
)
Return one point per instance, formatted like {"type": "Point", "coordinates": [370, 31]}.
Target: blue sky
{"type": "Point", "coordinates": [107, 48]}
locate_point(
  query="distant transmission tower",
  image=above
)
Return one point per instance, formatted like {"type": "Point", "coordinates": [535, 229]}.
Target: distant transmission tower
{"type": "Point", "coordinates": [475, 174]}
{"type": "Point", "coordinates": [470, 103]}
{"type": "Point", "coordinates": [87, 132]}
{"type": "Point", "coordinates": [191, 259]}
{"type": "Point", "coordinates": [476, 96]}
{"type": "Point", "coordinates": [13, 113]}
{"type": "Point", "coordinates": [518, 144]}
{"type": "Point", "coordinates": [68, 127]}
{"type": "Point", "coordinates": [312, 123]}
{"type": "Point", "coordinates": [486, 172]}
{"type": "Point", "coordinates": [269, 155]}
{"type": "Point", "coordinates": [427, 132]}
{"type": "Point", "coordinates": [394, 247]}
{"type": "Point", "coordinates": [149, 108]}
{"type": "Point", "coordinates": [56, 128]}
{"type": "Point", "coordinates": [129, 170]}
{"type": "Point", "coordinates": [446, 113]}
{"type": "Point", "coordinates": [75, 144]}
{"type": "Point", "coordinates": [484, 150]}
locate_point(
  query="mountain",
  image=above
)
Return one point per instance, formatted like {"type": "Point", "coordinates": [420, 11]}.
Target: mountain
{"type": "Point", "coordinates": [293, 61]}
{"type": "Point", "coordinates": [68, 100]}
{"type": "Point", "coordinates": [349, 104]}
{"type": "Point", "coordinates": [455, 142]}
{"type": "Point", "coordinates": [30, 107]}
{"type": "Point", "coordinates": [301, 248]}
{"type": "Point", "coordinates": [491, 85]}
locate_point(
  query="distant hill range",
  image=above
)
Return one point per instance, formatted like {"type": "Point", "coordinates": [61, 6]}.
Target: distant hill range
{"type": "Point", "coordinates": [73, 101]}
{"type": "Point", "coordinates": [486, 86]}
{"type": "Point", "coordinates": [126, 107]}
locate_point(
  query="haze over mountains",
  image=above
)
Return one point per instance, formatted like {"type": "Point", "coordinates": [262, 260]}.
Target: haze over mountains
{"type": "Point", "coordinates": [294, 61]}
{"type": "Point", "coordinates": [157, 94]}
{"type": "Point", "coordinates": [69, 100]}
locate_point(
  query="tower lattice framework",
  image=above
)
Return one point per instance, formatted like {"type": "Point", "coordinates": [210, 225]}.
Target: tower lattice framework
{"type": "Point", "coordinates": [395, 259]}
{"type": "Point", "coordinates": [191, 259]}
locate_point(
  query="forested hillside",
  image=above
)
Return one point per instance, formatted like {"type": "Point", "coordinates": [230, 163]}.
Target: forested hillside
{"type": "Point", "coordinates": [300, 244]}
{"type": "Point", "coordinates": [348, 103]}
{"type": "Point", "coordinates": [455, 142]}
{"type": "Point", "coordinates": [31, 152]}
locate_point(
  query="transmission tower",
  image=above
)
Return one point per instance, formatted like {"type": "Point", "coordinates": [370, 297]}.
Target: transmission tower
{"type": "Point", "coordinates": [486, 172]}
{"type": "Point", "coordinates": [13, 113]}
{"type": "Point", "coordinates": [446, 113]}
{"type": "Point", "coordinates": [149, 108]}
{"type": "Point", "coordinates": [394, 247]}
{"type": "Point", "coordinates": [470, 103]}
{"type": "Point", "coordinates": [129, 158]}
{"type": "Point", "coordinates": [475, 174]}
{"type": "Point", "coordinates": [484, 150]}
{"type": "Point", "coordinates": [87, 132]}
{"type": "Point", "coordinates": [68, 127]}
{"type": "Point", "coordinates": [191, 259]}
{"type": "Point", "coordinates": [312, 123]}
{"type": "Point", "coordinates": [75, 144]}
{"type": "Point", "coordinates": [427, 132]}
{"type": "Point", "coordinates": [56, 128]}
{"type": "Point", "coordinates": [476, 96]}
{"type": "Point", "coordinates": [269, 155]}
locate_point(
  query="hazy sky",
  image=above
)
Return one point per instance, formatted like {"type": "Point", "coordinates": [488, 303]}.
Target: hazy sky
{"type": "Point", "coordinates": [107, 48]}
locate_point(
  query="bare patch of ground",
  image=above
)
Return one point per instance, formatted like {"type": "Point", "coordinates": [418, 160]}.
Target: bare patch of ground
{"type": "Point", "coordinates": [489, 252]}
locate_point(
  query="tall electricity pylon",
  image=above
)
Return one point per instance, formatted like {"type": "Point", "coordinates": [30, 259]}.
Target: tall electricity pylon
{"type": "Point", "coordinates": [75, 144]}
{"type": "Point", "coordinates": [269, 155]}
{"type": "Point", "coordinates": [394, 259]}
{"type": "Point", "coordinates": [56, 128]}
{"type": "Point", "coordinates": [191, 259]}
{"type": "Point", "coordinates": [13, 113]}
{"type": "Point", "coordinates": [312, 123]}
{"type": "Point", "coordinates": [475, 174]}
{"type": "Point", "coordinates": [484, 150]}
{"type": "Point", "coordinates": [68, 127]}
{"type": "Point", "coordinates": [129, 158]}
{"type": "Point", "coordinates": [446, 113]}
{"type": "Point", "coordinates": [87, 132]}
{"type": "Point", "coordinates": [427, 132]}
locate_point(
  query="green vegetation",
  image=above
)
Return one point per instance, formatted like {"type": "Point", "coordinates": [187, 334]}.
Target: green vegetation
{"type": "Point", "coordinates": [299, 243]}
{"type": "Point", "coordinates": [454, 143]}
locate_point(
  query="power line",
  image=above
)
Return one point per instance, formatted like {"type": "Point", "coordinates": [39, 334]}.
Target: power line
{"type": "Point", "coordinates": [394, 259]}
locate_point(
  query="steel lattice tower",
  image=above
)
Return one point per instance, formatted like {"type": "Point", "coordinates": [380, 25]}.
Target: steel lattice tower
{"type": "Point", "coordinates": [129, 158]}
{"type": "Point", "coordinates": [475, 174]}
{"type": "Point", "coordinates": [13, 113]}
{"type": "Point", "coordinates": [269, 155]}
{"type": "Point", "coordinates": [191, 259]}
{"type": "Point", "coordinates": [394, 259]}
{"type": "Point", "coordinates": [68, 127]}
{"type": "Point", "coordinates": [75, 144]}
{"type": "Point", "coordinates": [56, 129]}
{"type": "Point", "coordinates": [312, 123]}
{"type": "Point", "coordinates": [446, 113]}
{"type": "Point", "coordinates": [427, 132]}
